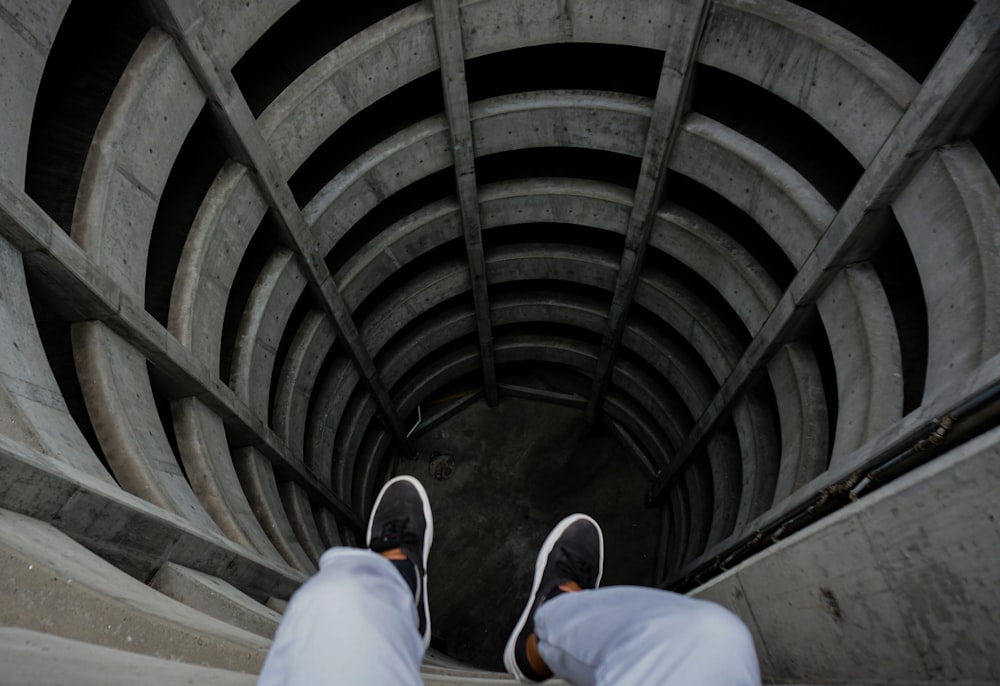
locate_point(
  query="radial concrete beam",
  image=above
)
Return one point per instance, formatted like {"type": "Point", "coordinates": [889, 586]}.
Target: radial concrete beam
{"type": "Point", "coordinates": [671, 93]}
{"type": "Point", "coordinates": [126, 530]}
{"type": "Point", "coordinates": [954, 98]}
{"type": "Point", "coordinates": [245, 141]}
{"type": "Point", "coordinates": [80, 291]}
{"type": "Point", "coordinates": [448, 30]}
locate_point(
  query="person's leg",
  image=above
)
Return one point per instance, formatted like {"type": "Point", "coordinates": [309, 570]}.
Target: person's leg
{"type": "Point", "coordinates": [621, 635]}
{"type": "Point", "coordinates": [629, 635]}
{"type": "Point", "coordinates": [364, 617]}
{"type": "Point", "coordinates": [570, 559]}
{"type": "Point", "coordinates": [354, 622]}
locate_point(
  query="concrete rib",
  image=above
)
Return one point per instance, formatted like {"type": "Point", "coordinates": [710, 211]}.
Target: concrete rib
{"type": "Point", "coordinates": [448, 31]}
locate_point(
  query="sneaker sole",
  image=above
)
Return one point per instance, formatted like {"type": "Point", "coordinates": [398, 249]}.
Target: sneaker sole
{"type": "Point", "coordinates": [543, 555]}
{"type": "Point", "coordinates": [428, 540]}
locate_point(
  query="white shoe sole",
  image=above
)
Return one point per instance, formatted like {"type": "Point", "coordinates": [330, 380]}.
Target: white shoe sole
{"type": "Point", "coordinates": [543, 556]}
{"type": "Point", "coordinates": [428, 540]}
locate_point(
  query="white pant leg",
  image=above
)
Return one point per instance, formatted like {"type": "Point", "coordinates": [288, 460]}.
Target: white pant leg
{"type": "Point", "coordinates": [626, 635]}
{"type": "Point", "coordinates": [353, 622]}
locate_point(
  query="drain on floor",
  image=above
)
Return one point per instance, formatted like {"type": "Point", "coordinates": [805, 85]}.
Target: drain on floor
{"type": "Point", "coordinates": [442, 465]}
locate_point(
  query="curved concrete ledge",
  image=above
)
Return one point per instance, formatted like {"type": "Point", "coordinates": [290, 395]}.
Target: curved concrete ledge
{"type": "Point", "coordinates": [387, 167]}
{"type": "Point", "coordinates": [397, 245]}
{"type": "Point", "coordinates": [723, 456]}
{"type": "Point", "coordinates": [958, 267]}
{"type": "Point", "coordinates": [26, 37]}
{"type": "Point", "coordinates": [698, 488]}
{"type": "Point", "coordinates": [424, 148]}
{"type": "Point", "coordinates": [32, 407]}
{"type": "Point", "coordinates": [764, 186]}
{"type": "Point", "coordinates": [695, 322]}
{"type": "Point", "coordinates": [848, 87]}
{"type": "Point", "coordinates": [494, 25]}
{"type": "Point", "coordinates": [115, 383]}
{"type": "Point", "coordinates": [761, 455]}
{"type": "Point", "coordinates": [651, 345]}
{"type": "Point", "coordinates": [802, 411]}
{"type": "Point", "coordinates": [650, 393]}
{"type": "Point", "coordinates": [300, 515]}
{"type": "Point", "coordinates": [677, 530]}
{"type": "Point", "coordinates": [257, 477]}
{"type": "Point", "coordinates": [867, 358]}
{"type": "Point", "coordinates": [355, 74]}
{"type": "Point", "coordinates": [692, 319]}
{"type": "Point", "coordinates": [204, 448]}
{"type": "Point", "coordinates": [142, 130]}
{"type": "Point", "coordinates": [594, 120]}
{"type": "Point", "coordinates": [326, 417]}
{"type": "Point", "coordinates": [720, 260]}
{"type": "Point", "coordinates": [265, 317]}
{"type": "Point", "coordinates": [358, 415]}
{"type": "Point", "coordinates": [235, 26]}
{"type": "Point", "coordinates": [226, 221]}
{"type": "Point", "coordinates": [329, 530]}
{"type": "Point", "coordinates": [298, 379]}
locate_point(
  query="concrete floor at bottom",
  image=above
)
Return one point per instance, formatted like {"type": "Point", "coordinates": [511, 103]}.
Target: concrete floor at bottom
{"type": "Point", "coordinates": [518, 469]}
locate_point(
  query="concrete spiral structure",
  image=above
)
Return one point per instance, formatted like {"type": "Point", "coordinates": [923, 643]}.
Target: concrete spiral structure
{"type": "Point", "coordinates": [243, 243]}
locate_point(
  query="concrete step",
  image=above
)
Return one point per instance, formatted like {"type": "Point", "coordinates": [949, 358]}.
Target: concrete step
{"type": "Point", "coordinates": [217, 598]}
{"type": "Point", "coordinates": [51, 583]}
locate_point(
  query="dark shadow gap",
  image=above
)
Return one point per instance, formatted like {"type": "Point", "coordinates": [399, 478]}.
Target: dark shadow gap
{"type": "Point", "coordinates": [94, 45]}
{"type": "Point", "coordinates": [592, 66]}
{"type": "Point", "coordinates": [304, 34]}
{"type": "Point", "coordinates": [411, 103]}
{"type": "Point", "coordinates": [198, 162]}
{"type": "Point", "coordinates": [912, 38]}
{"type": "Point", "coordinates": [779, 126]}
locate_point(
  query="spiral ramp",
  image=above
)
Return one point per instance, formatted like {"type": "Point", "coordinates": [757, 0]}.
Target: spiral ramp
{"type": "Point", "coordinates": [257, 256]}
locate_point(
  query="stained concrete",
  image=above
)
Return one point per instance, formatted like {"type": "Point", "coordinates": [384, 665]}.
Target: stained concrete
{"type": "Point", "coordinates": [520, 468]}
{"type": "Point", "coordinates": [896, 587]}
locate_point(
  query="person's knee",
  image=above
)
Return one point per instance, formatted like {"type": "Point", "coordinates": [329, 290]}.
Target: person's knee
{"type": "Point", "coordinates": [714, 628]}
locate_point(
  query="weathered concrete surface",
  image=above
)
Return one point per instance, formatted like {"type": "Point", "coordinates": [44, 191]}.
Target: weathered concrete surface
{"type": "Point", "coordinates": [33, 410]}
{"type": "Point", "coordinates": [54, 584]}
{"type": "Point", "coordinates": [898, 586]}
{"type": "Point", "coordinates": [27, 29]}
{"type": "Point", "coordinates": [259, 483]}
{"type": "Point", "coordinates": [140, 134]}
{"type": "Point", "coordinates": [855, 92]}
{"type": "Point", "coordinates": [958, 266]}
{"type": "Point", "coordinates": [42, 659]}
{"type": "Point", "coordinates": [125, 530]}
{"type": "Point", "coordinates": [116, 387]}
{"type": "Point", "coordinates": [216, 598]}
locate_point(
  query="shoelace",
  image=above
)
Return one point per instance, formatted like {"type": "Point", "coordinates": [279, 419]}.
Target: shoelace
{"type": "Point", "coordinates": [576, 568]}
{"type": "Point", "coordinates": [397, 531]}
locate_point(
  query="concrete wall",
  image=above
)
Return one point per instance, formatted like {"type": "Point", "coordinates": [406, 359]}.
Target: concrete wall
{"type": "Point", "coordinates": [900, 586]}
{"type": "Point", "coordinates": [686, 279]}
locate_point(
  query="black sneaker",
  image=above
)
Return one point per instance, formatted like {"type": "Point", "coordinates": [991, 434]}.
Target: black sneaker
{"type": "Point", "coordinates": [401, 518]}
{"type": "Point", "coordinates": [573, 551]}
